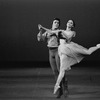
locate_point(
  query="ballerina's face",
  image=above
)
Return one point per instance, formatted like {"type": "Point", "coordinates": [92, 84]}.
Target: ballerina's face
{"type": "Point", "coordinates": [70, 23]}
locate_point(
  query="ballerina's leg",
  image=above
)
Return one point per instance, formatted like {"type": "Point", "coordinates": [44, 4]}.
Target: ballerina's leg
{"type": "Point", "coordinates": [91, 49]}
{"type": "Point", "coordinates": [61, 74]}
{"type": "Point", "coordinates": [59, 79]}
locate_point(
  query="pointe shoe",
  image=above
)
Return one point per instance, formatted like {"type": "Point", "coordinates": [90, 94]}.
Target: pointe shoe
{"type": "Point", "coordinates": [56, 88]}
{"type": "Point", "coordinates": [98, 45]}
{"type": "Point", "coordinates": [66, 92]}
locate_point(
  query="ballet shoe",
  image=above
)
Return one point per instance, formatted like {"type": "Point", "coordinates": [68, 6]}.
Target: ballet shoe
{"type": "Point", "coordinates": [98, 45]}
{"type": "Point", "coordinates": [65, 90]}
{"type": "Point", "coordinates": [56, 89]}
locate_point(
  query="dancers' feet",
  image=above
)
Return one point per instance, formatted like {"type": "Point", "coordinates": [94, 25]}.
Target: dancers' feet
{"type": "Point", "coordinates": [59, 93]}
{"type": "Point", "coordinates": [56, 89]}
{"type": "Point", "coordinates": [65, 86]}
{"type": "Point", "coordinates": [98, 45]}
{"type": "Point", "coordinates": [66, 92]}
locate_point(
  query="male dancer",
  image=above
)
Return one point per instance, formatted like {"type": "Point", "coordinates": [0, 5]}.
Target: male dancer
{"type": "Point", "coordinates": [52, 44]}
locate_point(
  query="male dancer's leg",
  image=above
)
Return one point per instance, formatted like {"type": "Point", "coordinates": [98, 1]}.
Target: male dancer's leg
{"type": "Point", "coordinates": [53, 63]}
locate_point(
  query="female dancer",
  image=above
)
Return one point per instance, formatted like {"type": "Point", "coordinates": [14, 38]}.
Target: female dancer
{"type": "Point", "coordinates": [70, 53]}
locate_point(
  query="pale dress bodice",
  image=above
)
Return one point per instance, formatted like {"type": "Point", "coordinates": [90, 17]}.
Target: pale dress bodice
{"type": "Point", "coordinates": [62, 41]}
{"type": "Point", "coordinates": [67, 37]}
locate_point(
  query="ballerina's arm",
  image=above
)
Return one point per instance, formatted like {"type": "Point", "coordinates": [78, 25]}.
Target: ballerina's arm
{"type": "Point", "coordinates": [48, 30]}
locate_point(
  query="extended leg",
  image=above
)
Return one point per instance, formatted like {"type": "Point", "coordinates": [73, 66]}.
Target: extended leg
{"type": "Point", "coordinates": [92, 49]}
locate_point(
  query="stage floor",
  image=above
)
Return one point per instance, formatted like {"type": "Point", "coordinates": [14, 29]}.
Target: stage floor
{"type": "Point", "coordinates": [38, 83]}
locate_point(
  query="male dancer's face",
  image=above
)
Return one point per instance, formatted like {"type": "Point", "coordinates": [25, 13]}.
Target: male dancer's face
{"type": "Point", "coordinates": [55, 24]}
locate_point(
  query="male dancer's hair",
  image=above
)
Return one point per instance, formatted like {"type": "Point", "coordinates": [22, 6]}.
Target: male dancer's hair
{"type": "Point", "coordinates": [57, 20]}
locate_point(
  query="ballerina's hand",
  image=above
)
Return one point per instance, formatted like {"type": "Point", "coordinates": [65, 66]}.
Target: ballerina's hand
{"type": "Point", "coordinates": [39, 26]}
{"type": "Point", "coordinates": [56, 88]}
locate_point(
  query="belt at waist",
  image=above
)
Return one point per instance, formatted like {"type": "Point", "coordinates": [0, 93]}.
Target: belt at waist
{"type": "Point", "coordinates": [52, 48]}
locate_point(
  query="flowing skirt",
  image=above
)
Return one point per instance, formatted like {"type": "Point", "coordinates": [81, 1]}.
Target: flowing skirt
{"type": "Point", "coordinates": [70, 54]}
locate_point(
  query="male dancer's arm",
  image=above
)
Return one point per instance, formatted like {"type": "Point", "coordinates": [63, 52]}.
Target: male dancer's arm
{"type": "Point", "coordinates": [41, 36]}
{"type": "Point", "coordinates": [49, 30]}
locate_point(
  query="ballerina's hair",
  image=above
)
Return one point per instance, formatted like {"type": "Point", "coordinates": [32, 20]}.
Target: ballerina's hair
{"type": "Point", "coordinates": [73, 23]}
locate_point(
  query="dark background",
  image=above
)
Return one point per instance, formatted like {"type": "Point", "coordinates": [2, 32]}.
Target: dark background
{"type": "Point", "coordinates": [19, 20]}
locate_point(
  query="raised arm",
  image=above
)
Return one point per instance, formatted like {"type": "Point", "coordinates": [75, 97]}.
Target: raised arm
{"type": "Point", "coordinates": [46, 29]}
{"type": "Point", "coordinates": [41, 35]}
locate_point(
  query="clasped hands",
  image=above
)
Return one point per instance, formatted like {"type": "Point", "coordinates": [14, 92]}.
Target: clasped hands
{"type": "Point", "coordinates": [48, 30]}
{"type": "Point", "coordinates": [39, 26]}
